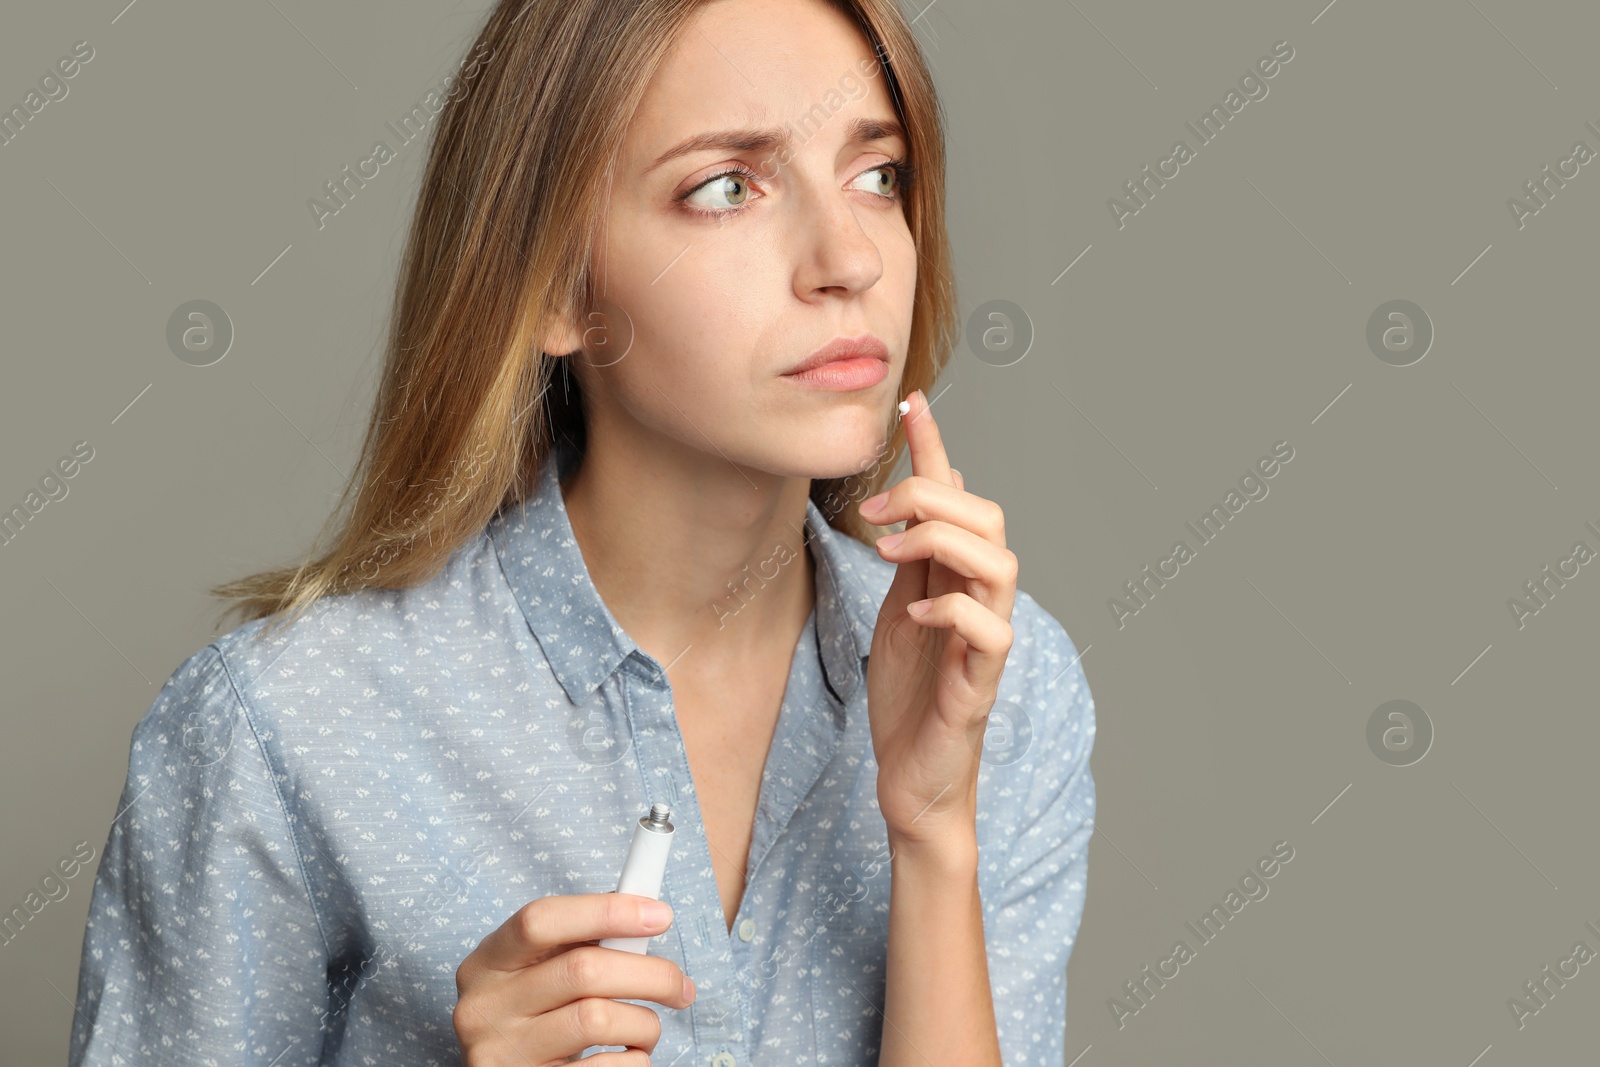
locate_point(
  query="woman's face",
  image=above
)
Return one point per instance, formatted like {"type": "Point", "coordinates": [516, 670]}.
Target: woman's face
{"type": "Point", "coordinates": [717, 286]}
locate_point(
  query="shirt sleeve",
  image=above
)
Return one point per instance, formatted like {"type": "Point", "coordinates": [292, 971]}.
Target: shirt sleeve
{"type": "Point", "coordinates": [1036, 903]}
{"type": "Point", "coordinates": [202, 947]}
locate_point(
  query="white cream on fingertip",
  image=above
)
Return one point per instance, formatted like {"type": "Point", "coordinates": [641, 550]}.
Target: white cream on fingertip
{"type": "Point", "coordinates": [904, 406]}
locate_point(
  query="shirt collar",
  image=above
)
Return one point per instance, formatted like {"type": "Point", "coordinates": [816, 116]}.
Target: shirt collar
{"type": "Point", "coordinates": [582, 640]}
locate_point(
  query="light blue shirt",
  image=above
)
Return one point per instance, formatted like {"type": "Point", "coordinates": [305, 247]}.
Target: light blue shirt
{"type": "Point", "coordinates": [317, 828]}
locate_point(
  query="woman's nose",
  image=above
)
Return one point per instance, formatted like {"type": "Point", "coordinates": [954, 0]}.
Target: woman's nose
{"type": "Point", "coordinates": [836, 244]}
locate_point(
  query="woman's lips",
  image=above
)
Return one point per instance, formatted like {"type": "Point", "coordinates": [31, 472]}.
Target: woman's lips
{"type": "Point", "coordinates": [856, 372]}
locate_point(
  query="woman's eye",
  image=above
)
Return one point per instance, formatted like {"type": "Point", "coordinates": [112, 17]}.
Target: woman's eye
{"type": "Point", "coordinates": [722, 192]}
{"type": "Point", "coordinates": [885, 178]}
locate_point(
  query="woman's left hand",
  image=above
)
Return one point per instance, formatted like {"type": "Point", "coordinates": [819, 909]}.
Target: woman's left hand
{"type": "Point", "coordinates": [932, 677]}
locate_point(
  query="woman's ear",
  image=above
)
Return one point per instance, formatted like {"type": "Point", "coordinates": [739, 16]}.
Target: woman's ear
{"type": "Point", "coordinates": [561, 336]}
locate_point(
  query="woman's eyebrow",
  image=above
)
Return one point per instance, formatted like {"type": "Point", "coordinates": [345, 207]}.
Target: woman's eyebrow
{"type": "Point", "coordinates": [774, 139]}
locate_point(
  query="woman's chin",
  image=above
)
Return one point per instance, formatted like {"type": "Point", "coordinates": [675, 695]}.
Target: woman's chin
{"type": "Point", "coordinates": [836, 458]}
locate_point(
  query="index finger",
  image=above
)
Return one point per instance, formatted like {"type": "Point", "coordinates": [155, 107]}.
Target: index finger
{"type": "Point", "coordinates": [544, 925]}
{"type": "Point", "coordinates": [928, 457]}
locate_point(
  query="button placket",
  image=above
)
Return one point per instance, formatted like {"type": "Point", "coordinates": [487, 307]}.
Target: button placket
{"type": "Point", "coordinates": [704, 944]}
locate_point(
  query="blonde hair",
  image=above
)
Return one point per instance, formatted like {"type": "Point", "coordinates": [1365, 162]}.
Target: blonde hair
{"type": "Point", "coordinates": [468, 406]}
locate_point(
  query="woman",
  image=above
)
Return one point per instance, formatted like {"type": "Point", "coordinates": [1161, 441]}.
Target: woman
{"type": "Point", "coordinates": [609, 547]}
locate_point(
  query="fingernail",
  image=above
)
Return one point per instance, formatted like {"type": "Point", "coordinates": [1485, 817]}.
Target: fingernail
{"type": "Point", "coordinates": [890, 540]}
{"type": "Point", "coordinates": [657, 913]}
{"type": "Point", "coordinates": [688, 988]}
{"type": "Point", "coordinates": [920, 607]}
{"type": "Point", "coordinates": [873, 505]}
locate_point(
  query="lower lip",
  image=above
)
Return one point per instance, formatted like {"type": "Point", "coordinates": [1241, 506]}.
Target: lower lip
{"type": "Point", "coordinates": [856, 373]}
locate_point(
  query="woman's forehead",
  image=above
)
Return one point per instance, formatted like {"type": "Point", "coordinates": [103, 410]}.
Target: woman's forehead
{"type": "Point", "coordinates": [758, 63]}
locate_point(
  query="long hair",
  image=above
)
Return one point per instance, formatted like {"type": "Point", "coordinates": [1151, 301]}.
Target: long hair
{"type": "Point", "coordinates": [468, 406]}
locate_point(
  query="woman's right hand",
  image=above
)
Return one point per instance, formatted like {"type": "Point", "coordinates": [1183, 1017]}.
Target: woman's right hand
{"type": "Point", "coordinates": [538, 990]}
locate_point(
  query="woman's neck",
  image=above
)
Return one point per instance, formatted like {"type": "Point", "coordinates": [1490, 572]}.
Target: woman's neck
{"type": "Point", "coordinates": [702, 562]}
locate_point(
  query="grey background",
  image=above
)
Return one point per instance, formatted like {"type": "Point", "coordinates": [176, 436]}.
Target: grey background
{"type": "Point", "coordinates": [1229, 314]}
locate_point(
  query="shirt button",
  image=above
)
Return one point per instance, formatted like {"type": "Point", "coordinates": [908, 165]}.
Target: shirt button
{"type": "Point", "coordinates": [722, 1059]}
{"type": "Point", "coordinates": [747, 930]}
